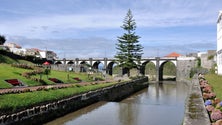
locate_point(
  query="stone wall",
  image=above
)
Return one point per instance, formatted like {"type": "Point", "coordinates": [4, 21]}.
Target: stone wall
{"type": "Point", "coordinates": [184, 66]}
{"type": "Point", "coordinates": [207, 62]}
{"type": "Point", "coordinates": [46, 112]}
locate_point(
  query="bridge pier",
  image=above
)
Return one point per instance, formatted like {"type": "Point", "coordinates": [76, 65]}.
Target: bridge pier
{"type": "Point", "coordinates": [157, 69]}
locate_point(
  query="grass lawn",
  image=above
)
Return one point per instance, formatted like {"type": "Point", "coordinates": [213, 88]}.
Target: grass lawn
{"type": "Point", "coordinates": [12, 102]}
{"type": "Point", "coordinates": [216, 82]}
{"type": "Point", "coordinates": [6, 59]}
{"type": "Point", "coordinates": [9, 72]}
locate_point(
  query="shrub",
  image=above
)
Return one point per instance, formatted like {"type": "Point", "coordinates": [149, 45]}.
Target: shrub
{"type": "Point", "coordinates": [24, 66]}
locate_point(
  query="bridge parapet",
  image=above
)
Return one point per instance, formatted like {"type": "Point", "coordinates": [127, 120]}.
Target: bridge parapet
{"type": "Point", "coordinates": [183, 64]}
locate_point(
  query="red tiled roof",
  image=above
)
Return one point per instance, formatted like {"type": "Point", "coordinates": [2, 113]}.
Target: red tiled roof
{"type": "Point", "coordinates": [173, 54]}
{"type": "Point", "coordinates": [35, 49]}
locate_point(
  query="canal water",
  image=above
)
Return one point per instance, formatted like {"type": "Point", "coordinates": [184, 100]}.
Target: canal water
{"type": "Point", "coordinates": [159, 104]}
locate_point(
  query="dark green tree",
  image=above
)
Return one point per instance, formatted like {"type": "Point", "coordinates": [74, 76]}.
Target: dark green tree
{"type": "Point", "coordinates": [2, 39]}
{"type": "Point", "coordinates": [129, 51]}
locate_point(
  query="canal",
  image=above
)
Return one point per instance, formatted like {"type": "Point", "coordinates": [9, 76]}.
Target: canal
{"type": "Point", "coordinates": [159, 104]}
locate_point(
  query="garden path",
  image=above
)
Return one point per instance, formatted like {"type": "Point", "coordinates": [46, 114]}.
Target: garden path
{"type": "Point", "coordinates": [35, 88]}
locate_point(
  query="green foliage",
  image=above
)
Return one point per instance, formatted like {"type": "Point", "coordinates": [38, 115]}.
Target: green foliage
{"type": "Point", "coordinates": [169, 69]}
{"type": "Point", "coordinates": [47, 71]}
{"type": "Point", "coordinates": [197, 70]}
{"type": "Point", "coordinates": [198, 62]}
{"type": "Point", "coordinates": [192, 72]}
{"type": "Point", "coordinates": [6, 59]}
{"type": "Point", "coordinates": [128, 48]}
{"type": "Point", "coordinates": [150, 69]}
{"type": "Point", "coordinates": [2, 39]}
{"type": "Point", "coordinates": [215, 81]}
{"type": "Point", "coordinates": [210, 57]}
{"type": "Point", "coordinates": [116, 69]}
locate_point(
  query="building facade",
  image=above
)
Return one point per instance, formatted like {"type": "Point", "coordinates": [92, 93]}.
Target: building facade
{"type": "Point", "coordinates": [219, 44]}
{"type": "Point", "coordinates": [15, 48]}
{"type": "Point", "coordinates": [49, 55]}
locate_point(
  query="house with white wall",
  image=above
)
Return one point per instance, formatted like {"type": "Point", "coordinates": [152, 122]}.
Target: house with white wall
{"type": "Point", "coordinates": [49, 55]}
{"type": "Point", "coordinates": [15, 48]}
{"type": "Point", "coordinates": [219, 44]}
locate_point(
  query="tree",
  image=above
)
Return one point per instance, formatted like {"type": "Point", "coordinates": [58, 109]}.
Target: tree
{"type": "Point", "coordinates": [2, 39]}
{"type": "Point", "coordinates": [129, 51]}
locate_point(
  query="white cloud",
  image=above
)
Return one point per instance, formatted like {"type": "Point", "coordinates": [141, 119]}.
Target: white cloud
{"type": "Point", "coordinates": [69, 30]}
{"type": "Point", "coordinates": [38, 26]}
{"type": "Point", "coordinates": [150, 13]}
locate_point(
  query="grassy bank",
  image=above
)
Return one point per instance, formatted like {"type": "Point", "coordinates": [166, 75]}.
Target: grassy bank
{"type": "Point", "coordinates": [216, 82]}
{"type": "Point", "coordinates": [13, 102]}
{"type": "Point", "coordinates": [9, 72]}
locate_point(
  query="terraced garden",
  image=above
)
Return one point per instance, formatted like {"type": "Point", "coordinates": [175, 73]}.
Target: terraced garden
{"type": "Point", "coordinates": [45, 82]}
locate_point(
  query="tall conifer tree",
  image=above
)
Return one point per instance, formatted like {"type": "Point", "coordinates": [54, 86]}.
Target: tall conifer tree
{"type": "Point", "coordinates": [129, 51]}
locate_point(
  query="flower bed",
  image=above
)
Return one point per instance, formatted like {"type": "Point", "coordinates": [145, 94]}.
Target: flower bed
{"type": "Point", "coordinates": [55, 80]}
{"type": "Point", "coordinates": [213, 105]}
{"type": "Point", "coordinates": [77, 79]}
{"type": "Point", "coordinates": [14, 82]}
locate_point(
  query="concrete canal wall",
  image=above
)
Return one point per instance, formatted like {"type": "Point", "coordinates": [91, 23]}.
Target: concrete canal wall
{"type": "Point", "coordinates": [43, 113]}
{"type": "Point", "coordinates": [195, 111]}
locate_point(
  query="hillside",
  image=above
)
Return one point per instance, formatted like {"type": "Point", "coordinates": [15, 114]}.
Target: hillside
{"type": "Point", "coordinates": [32, 75]}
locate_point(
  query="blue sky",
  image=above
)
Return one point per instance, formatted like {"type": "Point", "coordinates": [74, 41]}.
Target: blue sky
{"type": "Point", "coordinates": [89, 28]}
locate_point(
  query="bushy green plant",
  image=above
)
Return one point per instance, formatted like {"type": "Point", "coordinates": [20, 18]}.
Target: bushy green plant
{"type": "Point", "coordinates": [24, 66]}
{"type": "Point", "coordinates": [198, 62]}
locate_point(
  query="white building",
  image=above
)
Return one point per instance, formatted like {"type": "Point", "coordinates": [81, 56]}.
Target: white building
{"type": "Point", "coordinates": [32, 52]}
{"type": "Point", "coordinates": [219, 44]}
{"type": "Point", "coordinates": [49, 55]}
{"type": "Point", "coordinates": [13, 45]}
{"type": "Point", "coordinates": [15, 48]}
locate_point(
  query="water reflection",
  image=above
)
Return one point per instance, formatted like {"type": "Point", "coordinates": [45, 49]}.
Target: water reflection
{"type": "Point", "coordinates": [157, 105]}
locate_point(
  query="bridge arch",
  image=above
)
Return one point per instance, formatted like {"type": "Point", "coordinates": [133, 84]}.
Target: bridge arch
{"type": "Point", "coordinates": [108, 64]}
{"type": "Point", "coordinates": [58, 62]}
{"type": "Point", "coordinates": [149, 69]}
{"type": "Point", "coordinates": [70, 62]}
{"type": "Point", "coordinates": [98, 65]}
{"type": "Point", "coordinates": [164, 61]}
{"type": "Point", "coordinates": [109, 68]}
{"type": "Point", "coordinates": [167, 70]}
{"type": "Point", "coordinates": [143, 66]}
{"type": "Point", "coordinates": [95, 64]}
{"type": "Point", "coordinates": [84, 66]}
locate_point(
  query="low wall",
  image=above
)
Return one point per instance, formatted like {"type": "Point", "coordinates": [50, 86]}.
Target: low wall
{"type": "Point", "coordinates": [195, 111]}
{"type": "Point", "coordinates": [47, 112]}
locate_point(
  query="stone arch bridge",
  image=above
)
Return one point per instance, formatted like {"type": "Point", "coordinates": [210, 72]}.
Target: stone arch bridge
{"type": "Point", "coordinates": [182, 64]}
